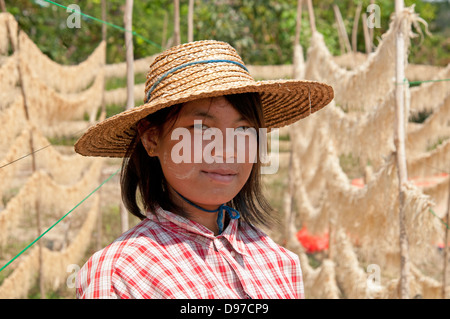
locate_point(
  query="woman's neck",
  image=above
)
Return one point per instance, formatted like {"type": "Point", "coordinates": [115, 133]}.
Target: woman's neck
{"type": "Point", "coordinates": [207, 219]}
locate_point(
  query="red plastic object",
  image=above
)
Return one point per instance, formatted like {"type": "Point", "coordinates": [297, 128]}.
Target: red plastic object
{"type": "Point", "coordinates": [312, 243]}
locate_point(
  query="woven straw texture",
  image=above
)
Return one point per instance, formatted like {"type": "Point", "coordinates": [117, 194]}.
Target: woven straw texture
{"type": "Point", "coordinates": [284, 101]}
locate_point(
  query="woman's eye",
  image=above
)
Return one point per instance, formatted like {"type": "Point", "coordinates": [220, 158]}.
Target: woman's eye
{"type": "Point", "coordinates": [200, 126]}
{"type": "Point", "coordinates": [242, 128]}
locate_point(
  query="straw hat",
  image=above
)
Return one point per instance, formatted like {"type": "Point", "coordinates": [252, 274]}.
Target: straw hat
{"type": "Point", "coordinates": [198, 70]}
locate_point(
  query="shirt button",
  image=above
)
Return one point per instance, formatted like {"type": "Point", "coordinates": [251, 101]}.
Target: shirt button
{"type": "Point", "coordinates": [233, 254]}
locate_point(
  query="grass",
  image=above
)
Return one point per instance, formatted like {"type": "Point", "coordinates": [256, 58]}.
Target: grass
{"type": "Point", "coordinates": [116, 83]}
{"type": "Point", "coordinates": [63, 140]}
{"type": "Point", "coordinates": [439, 141]}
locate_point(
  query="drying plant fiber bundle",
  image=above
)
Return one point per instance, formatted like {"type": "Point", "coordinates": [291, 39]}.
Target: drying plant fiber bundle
{"type": "Point", "coordinates": [55, 263]}
{"type": "Point", "coordinates": [7, 21]}
{"type": "Point", "coordinates": [364, 86]}
{"type": "Point", "coordinates": [350, 60]}
{"type": "Point", "coordinates": [439, 193]}
{"type": "Point", "coordinates": [8, 97]}
{"type": "Point", "coordinates": [350, 276]}
{"type": "Point", "coordinates": [422, 72]}
{"type": "Point", "coordinates": [64, 169]}
{"type": "Point", "coordinates": [369, 213]}
{"type": "Point", "coordinates": [436, 126]}
{"type": "Point", "coordinates": [61, 78]}
{"type": "Point", "coordinates": [430, 95]}
{"type": "Point", "coordinates": [360, 133]}
{"type": "Point", "coordinates": [24, 201]}
{"type": "Point", "coordinates": [23, 278]}
{"type": "Point", "coordinates": [13, 122]}
{"type": "Point", "coordinates": [19, 148]}
{"type": "Point", "coordinates": [428, 164]}
{"type": "Point", "coordinates": [326, 197]}
{"type": "Point", "coordinates": [320, 282]}
{"type": "Point", "coordinates": [53, 199]}
{"type": "Point", "coordinates": [119, 70]}
{"type": "Point", "coordinates": [119, 96]}
{"type": "Point", "coordinates": [66, 129]}
{"type": "Point", "coordinates": [46, 106]}
{"type": "Point", "coordinates": [351, 89]}
{"type": "Point", "coordinates": [61, 198]}
{"type": "Point", "coordinates": [9, 74]}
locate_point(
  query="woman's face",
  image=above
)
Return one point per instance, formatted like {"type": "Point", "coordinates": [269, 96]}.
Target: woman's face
{"type": "Point", "coordinates": [207, 154]}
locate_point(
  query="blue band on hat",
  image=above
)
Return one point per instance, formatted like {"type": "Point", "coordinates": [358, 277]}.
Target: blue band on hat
{"type": "Point", "coordinates": [185, 65]}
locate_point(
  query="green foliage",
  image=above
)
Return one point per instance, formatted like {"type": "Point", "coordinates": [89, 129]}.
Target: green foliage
{"type": "Point", "coordinates": [261, 30]}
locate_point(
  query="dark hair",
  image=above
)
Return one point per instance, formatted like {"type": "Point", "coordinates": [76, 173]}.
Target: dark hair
{"type": "Point", "coordinates": [144, 173]}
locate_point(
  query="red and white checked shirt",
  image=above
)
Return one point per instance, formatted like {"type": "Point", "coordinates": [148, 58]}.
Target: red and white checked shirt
{"type": "Point", "coordinates": [169, 256]}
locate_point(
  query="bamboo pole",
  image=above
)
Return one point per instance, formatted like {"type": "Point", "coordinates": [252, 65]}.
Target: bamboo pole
{"type": "Point", "coordinates": [191, 21]}
{"type": "Point", "coordinates": [176, 28]}
{"type": "Point", "coordinates": [104, 33]}
{"type": "Point", "coordinates": [312, 19]}
{"type": "Point", "coordinates": [289, 229]}
{"type": "Point", "coordinates": [298, 52]}
{"type": "Point", "coordinates": [366, 34]}
{"type": "Point", "coordinates": [164, 34]}
{"type": "Point", "coordinates": [128, 21]}
{"type": "Point", "coordinates": [102, 117]}
{"type": "Point", "coordinates": [343, 36]}
{"type": "Point", "coordinates": [355, 28]}
{"type": "Point", "coordinates": [399, 141]}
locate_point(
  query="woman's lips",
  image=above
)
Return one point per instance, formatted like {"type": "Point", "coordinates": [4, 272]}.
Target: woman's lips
{"type": "Point", "coordinates": [221, 175]}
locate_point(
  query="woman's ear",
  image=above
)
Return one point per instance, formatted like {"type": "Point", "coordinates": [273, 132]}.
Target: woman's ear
{"type": "Point", "coordinates": [149, 137]}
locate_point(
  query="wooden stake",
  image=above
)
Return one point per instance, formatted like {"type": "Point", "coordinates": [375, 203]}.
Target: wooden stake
{"type": "Point", "coordinates": [298, 52]}
{"type": "Point", "coordinates": [399, 141]}
{"type": "Point", "coordinates": [366, 34]}
{"type": "Point", "coordinates": [176, 27]}
{"type": "Point", "coordinates": [355, 28]}
{"type": "Point", "coordinates": [103, 107]}
{"type": "Point", "coordinates": [293, 159]}
{"type": "Point", "coordinates": [343, 36]}
{"type": "Point", "coordinates": [312, 19]}
{"type": "Point", "coordinates": [128, 21]}
{"type": "Point", "coordinates": [191, 21]}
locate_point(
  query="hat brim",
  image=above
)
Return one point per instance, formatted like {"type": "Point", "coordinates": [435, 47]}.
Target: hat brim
{"type": "Point", "coordinates": [284, 102]}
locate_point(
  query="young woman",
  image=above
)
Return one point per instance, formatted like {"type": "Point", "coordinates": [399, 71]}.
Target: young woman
{"type": "Point", "coordinates": [195, 187]}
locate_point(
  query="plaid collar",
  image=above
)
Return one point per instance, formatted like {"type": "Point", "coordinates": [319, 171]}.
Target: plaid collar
{"type": "Point", "coordinates": [184, 226]}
